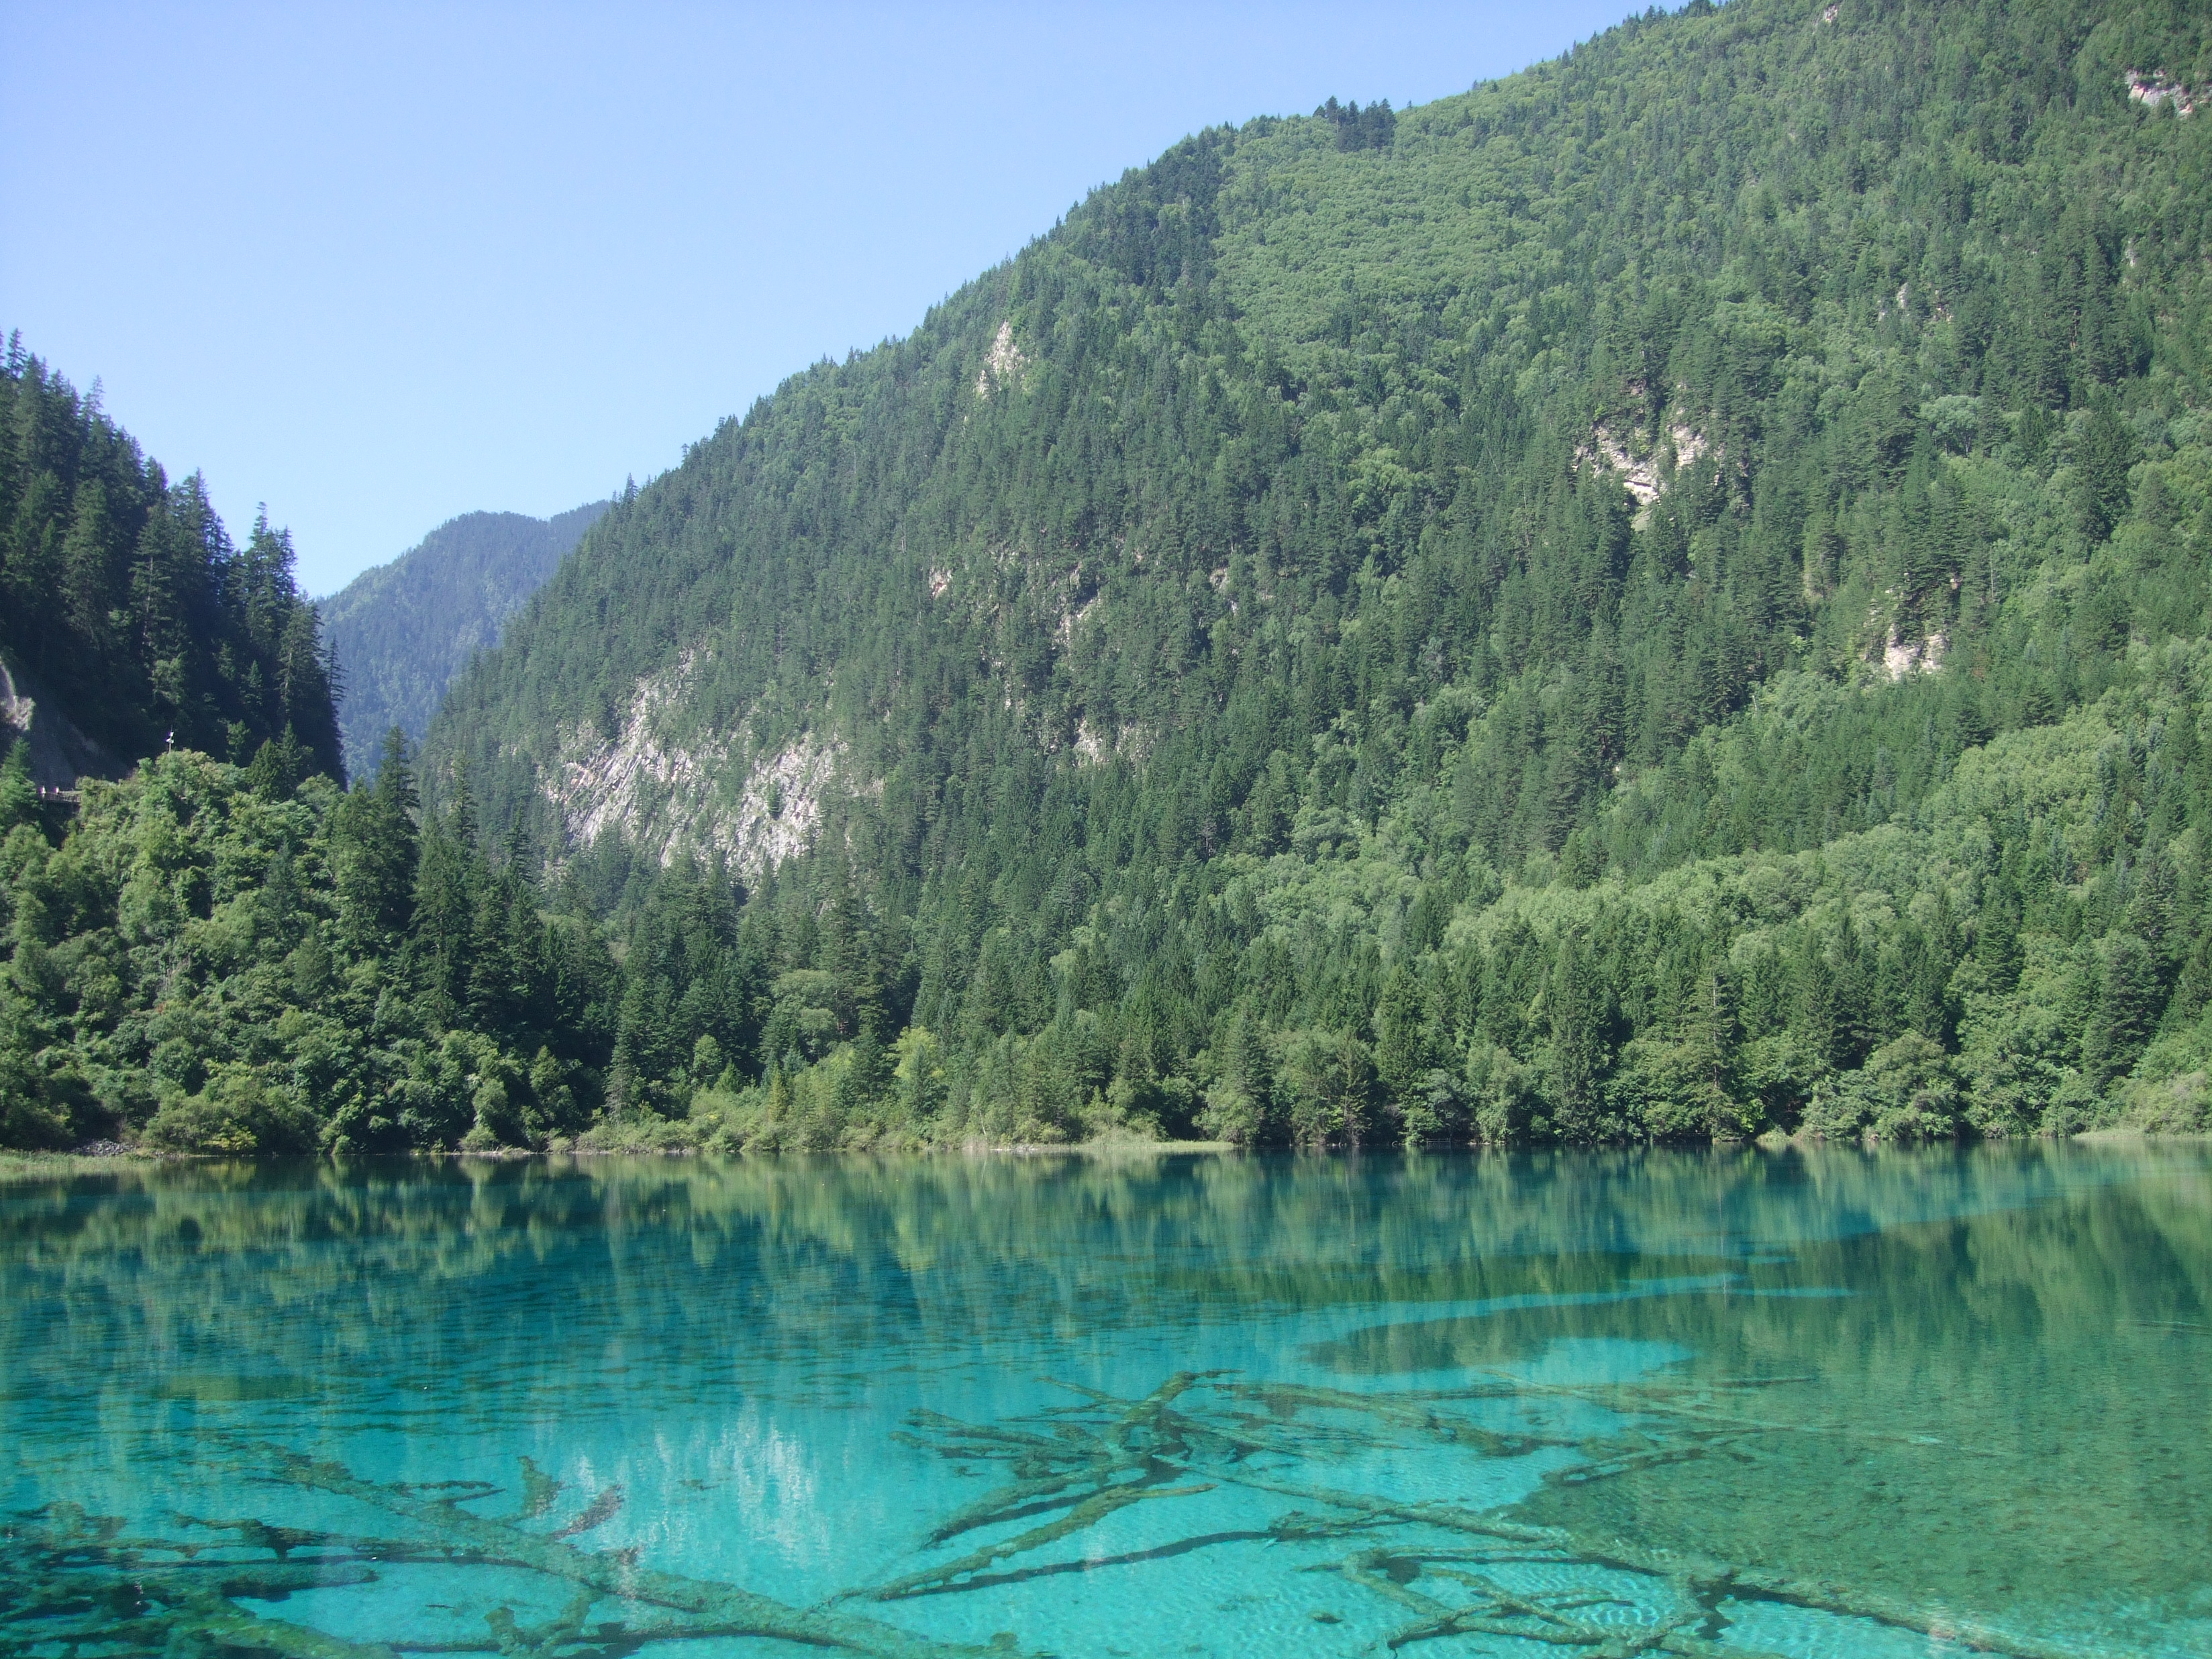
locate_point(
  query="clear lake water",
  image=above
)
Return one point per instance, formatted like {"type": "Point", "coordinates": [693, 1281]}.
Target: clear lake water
{"type": "Point", "coordinates": [1828, 1402]}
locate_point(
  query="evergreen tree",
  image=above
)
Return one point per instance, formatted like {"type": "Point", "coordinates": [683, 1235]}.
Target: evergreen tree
{"type": "Point", "coordinates": [1587, 670]}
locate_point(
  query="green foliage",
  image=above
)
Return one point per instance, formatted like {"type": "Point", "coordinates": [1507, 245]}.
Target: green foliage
{"type": "Point", "coordinates": [19, 795]}
{"type": "Point", "coordinates": [1261, 709]}
{"type": "Point", "coordinates": [125, 594]}
{"type": "Point", "coordinates": [403, 631]}
{"type": "Point", "coordinates": [215, 963]}
{"type": "Point", "coordinates": [236, 1114]}
{"type": "Point", "coordinates": [1662, 597]}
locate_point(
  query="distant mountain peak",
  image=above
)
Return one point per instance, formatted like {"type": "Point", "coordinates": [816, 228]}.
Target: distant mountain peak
{"type": "Point", "coordinates": [404, 629]}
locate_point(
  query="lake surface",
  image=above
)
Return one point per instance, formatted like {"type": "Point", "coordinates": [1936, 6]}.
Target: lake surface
{"type": "Point", "coordinates": [1738, 1402]}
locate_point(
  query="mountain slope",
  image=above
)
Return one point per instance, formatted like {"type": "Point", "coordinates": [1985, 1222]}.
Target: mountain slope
{"type": "Point", "coordinates": [125, 604]}
{"type": "Point", "coordinates": [404, 629]}
{"type": "Point", "coordinates": [1663, 598]}
{"type": "Point", "coordinates": [1429, 484]}
{"type": "Point", "coordinates": [1368, 374]}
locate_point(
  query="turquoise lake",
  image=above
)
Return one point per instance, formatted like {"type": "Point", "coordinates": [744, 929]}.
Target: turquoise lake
{"type": "Point", "coordinates": [1835, 1402]}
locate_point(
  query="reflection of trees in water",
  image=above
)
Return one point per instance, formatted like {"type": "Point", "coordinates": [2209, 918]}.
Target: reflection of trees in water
{"type": "Point", "coordinates": [2044, 1366]}
{"type": "Point", "coordinates": [2002, 1374]}
{"type": "Point", "coordinates": [951, 1250]}
{"type": "Point", "coordinates": [1450, 1569]}
{"type": "Point", "coordinates": [73, 1582]}
{"type": "Point", "coordinates": [301, 1230]}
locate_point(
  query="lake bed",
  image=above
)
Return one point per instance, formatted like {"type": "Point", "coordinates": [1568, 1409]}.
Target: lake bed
{"type": "Point", "coordinates": [1810, 1402]}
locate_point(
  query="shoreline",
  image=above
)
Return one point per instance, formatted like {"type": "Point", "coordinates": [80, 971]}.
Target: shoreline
{"type": "Point", "coordinates": [26, 1162]}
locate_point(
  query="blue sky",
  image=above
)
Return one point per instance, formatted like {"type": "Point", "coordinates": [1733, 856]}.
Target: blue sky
{"type": "Point", "coordinates": [377, 266]}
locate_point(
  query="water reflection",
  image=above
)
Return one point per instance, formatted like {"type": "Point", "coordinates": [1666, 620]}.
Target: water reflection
{"type": "Point", "coordinates": [1966, 1387]}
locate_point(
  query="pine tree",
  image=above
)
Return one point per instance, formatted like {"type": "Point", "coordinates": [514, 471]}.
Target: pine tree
{"type": "Point", "coordinates": [2128, 1001]}
{"type": "Point", "coordinates": [19, 794]}
{"type": "Point", "coordinates": [1575, 1012]}
{"type": "Point", "coordinates": [1401, 1055]}
{"type": "Point", "coordinates": [2107, 451]}
{"type": "Point", "coordinates": [376, 847]}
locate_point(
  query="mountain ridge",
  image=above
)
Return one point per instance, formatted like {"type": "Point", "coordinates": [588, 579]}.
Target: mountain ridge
{"type": "Point", "coordinates": [1664, 598]}
{"type": "Point", "coordinates": [1462, 488]}
{"type": "Point", "coordinates": [1687, 439]}
{"type": "Point", "coordinates": [127, 604]}
{"type": "Point", "coordinates": [404, 628]}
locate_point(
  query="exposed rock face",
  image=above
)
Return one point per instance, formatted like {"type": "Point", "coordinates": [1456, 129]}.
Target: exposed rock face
{"type": "Point", "coordinates": [1641, 473]}
{"type": "Point", "coordinates": [699, 796]}
{"type": "Point", "coordinates": [60, 754]}
{"type": "Point", "coordinates": [780, 806]}
{"type": "Point", "coordinates": [2156, 90]}
{"type": "Point", "coordinates": [1900, 657]}
{"type": "Point", "coordinates": [1004, 364]}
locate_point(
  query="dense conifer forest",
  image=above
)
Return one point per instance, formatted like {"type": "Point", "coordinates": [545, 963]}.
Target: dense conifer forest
{"type": "Point", "coordinates": [125, 599]}
{"type": "Point", "coordinates": [1662, 597]}
{"type": "Point", "coordinates": [403, 631]}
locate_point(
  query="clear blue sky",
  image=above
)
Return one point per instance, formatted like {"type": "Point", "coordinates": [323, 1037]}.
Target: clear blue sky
{"type": "Point", "coordinates": [379, 265]}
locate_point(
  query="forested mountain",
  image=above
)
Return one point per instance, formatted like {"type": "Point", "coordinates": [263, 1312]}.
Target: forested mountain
{"type": "Point", "coordinates": [123, 603]}
{"type": "Point", "coordinates": [404, 629]}
{"type": "Point", "coordinates": [1663, 596]}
